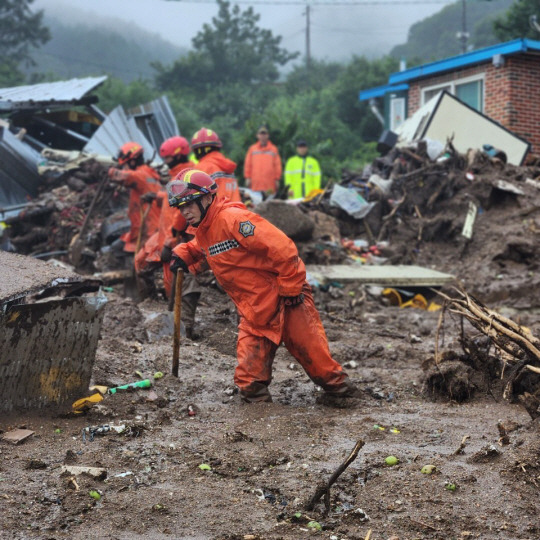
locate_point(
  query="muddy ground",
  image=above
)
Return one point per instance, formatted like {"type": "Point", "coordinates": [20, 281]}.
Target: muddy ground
{"type": "Point", "coordinates": [266, 460]}
{"type": "Point", "coordinates": [261, 463]}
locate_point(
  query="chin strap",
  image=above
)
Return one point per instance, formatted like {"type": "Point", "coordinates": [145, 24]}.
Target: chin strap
{"type": "Point", "coordinates": [202, 209]}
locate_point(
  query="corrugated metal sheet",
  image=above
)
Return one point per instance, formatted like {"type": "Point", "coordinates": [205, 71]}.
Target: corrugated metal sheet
{"type": "Point", "coordinates": [114, 132]}
{"type": "Point", "coordinates": [19, 176]}
{"type": "Point", "coordinates": [156, 120]}
{"type": "Point", "coordinates": [61, 91]}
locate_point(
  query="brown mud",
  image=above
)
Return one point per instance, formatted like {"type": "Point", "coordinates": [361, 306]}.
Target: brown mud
{"type": "Point", "coordinates": [262, 463]}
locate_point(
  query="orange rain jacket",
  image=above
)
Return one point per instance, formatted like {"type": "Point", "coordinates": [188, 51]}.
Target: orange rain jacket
{"type": "Point", "coordinates": [221, 169]}
{"type": "Point", "coordinates": [253, 261]}
{"type": "Point", "coordinates": [170, 218]}
{"type": "Point", "coordinates": [263, 166]}
{"type": "Point", "coordinates": [140, 181]}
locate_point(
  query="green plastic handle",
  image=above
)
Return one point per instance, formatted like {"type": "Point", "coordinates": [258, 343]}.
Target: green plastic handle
{"type": "Point", "coordinates": [139, 384]}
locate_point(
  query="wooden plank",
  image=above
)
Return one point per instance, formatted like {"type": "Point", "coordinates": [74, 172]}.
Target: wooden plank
{"type": "Point", "coordinates": [392, 276]}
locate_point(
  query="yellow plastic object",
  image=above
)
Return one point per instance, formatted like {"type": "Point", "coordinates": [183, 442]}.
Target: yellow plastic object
{"type": "Point", "coordinates": [393, 296]}
{"type": "Point", "coordinates": [83, 404]}
{"type": "Point", "coordinates": [417, 301]}
{"type": "Point", "coordinates": [312, 194]}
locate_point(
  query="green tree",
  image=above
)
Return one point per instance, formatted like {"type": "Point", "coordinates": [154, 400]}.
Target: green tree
{"type": "Point", "coordinates": [114, 92]}
{"type": "Point", "coordinates": [20, 30]}
{"type": "Point", "coordinates": [233, 49]}
{"type": "Point", "coordinates": [515, 22]}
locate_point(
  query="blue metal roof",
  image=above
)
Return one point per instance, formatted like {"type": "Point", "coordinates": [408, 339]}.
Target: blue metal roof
{"type": "Point", "coordinates": [455, 62]}
{"type": "Point", "coordinates": [379, 91]}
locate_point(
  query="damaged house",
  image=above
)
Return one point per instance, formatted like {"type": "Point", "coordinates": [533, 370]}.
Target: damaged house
{"type": "Point", "coordinates": [502, 82]}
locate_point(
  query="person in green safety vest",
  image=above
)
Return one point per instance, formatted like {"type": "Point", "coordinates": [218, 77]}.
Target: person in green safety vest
{"type": "Point", "coordinates": [302, 172]}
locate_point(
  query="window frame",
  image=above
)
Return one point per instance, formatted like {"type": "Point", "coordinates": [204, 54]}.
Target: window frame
{"type": "Point", "coordinates": [479, 77]}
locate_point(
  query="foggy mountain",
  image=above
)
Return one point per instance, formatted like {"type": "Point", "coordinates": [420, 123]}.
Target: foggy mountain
{"type": "Point", "coordinates": [101, 47]}
{"type": "Point", "coordinates": [337, 30]}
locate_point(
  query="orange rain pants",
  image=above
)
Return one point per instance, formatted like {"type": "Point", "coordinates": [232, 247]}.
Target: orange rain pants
{"type": "Point", "coordinates": [304, 337]}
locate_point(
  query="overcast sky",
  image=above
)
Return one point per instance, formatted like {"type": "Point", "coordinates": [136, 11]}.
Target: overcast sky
{"type": "Point", "coordinates": [337, 31]}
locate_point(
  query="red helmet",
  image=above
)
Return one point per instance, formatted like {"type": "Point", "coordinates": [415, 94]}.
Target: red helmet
{"type": "Point", "coordinates": [189, 185]}
{"type": "Point", "coordinates": [205, 137]}
{"type": "Point", "coordinates": [174, 146]}
{"type": "Point", "coordinates": [128, 151]}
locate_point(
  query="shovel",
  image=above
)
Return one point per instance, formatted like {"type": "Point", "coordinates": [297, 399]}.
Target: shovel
{"type": "Point", "coordinates": [178, 282]}
{"type": "Point", "coordinates": [78, 241]}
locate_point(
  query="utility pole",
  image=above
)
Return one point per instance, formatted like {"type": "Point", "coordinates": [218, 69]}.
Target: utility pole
{"type": "Point", "coordinates": [463, 35]}
{"type": "Point", "coordinates": [308, 38]}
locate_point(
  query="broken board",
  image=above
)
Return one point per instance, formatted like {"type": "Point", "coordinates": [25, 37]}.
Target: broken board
{"type": "Point", "coordinates": [391, 276]}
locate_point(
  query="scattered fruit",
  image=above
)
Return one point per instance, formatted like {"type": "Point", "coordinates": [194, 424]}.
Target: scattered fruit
{"type": "Point", "coordinates": [391, 460]}
{"type": "Point", "coordinates": [95, 494]}
{"type": "Point", "coordinates": [428, 469]}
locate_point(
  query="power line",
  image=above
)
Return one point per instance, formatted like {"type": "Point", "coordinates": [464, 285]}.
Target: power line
{"type": "Point", "coordinates": [321, 2]}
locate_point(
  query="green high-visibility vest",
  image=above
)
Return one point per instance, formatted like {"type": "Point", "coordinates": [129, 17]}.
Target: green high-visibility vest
{"type": "Point", "coordinates": [302, 175]}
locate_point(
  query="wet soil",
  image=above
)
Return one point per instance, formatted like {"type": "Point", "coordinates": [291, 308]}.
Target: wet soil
{"type": "Point", "coordinates": [265, 461]}
{"type": "Point", "coordinates": [262, 463]}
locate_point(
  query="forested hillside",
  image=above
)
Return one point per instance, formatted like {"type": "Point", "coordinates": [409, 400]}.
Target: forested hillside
{"type": "Point", "coordinates": [436, 37]}
{"type": "Point", "coordinates": [80, 50]}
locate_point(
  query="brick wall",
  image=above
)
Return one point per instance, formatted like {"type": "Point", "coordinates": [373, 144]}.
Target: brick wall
{"type": "Point", "coordinates": [511, 94]}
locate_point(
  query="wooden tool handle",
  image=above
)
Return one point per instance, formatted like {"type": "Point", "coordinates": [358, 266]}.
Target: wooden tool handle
{"type": "Point", "coordinates": [177, 320]}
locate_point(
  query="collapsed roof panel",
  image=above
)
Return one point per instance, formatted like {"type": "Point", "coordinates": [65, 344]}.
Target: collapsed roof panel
{"type": "Point", "coordinates": [156, 120]}
{"type": "Point", "coordinates": [19, 178]}
{"type": "Point", "coordinates": [446, 117]}
{"type": "Point", "coordinates": [116, 130]}
{"type": "Point", "coordinates": [58, 93]}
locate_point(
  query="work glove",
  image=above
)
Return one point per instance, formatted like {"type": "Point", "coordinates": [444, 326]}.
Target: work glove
{"type": "Point", "coordinates": [149, 197]}
{"type": "Point", "coordinates": [293, 300]}
{"type": "Point", "coordinates": [166, 254]}
{"type": "Point", "coordinates": [177, 264]}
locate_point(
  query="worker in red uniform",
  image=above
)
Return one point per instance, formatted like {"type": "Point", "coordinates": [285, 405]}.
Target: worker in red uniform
{"type": "Point", "coordinates": [206, 145]}
{"type": "Point", "coordinates": [139, 178]}
{"type": "Point", "coordinates": [262, 165]}
{"type": "Point", "coordinates": [157, 251]}
{"type": "Point", "coordinates": [259, 268]}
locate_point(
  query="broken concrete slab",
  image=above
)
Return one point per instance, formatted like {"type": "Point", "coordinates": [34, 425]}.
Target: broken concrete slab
{"type": "Point", "coordinates": [17, 436]}
{"type": "Point", "coordinates": [397, 276]}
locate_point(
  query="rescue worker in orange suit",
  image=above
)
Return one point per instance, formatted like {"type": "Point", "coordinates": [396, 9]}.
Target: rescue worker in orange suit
{"type": "Point", "coordinates": [206, 145]}
{"type": "Point", "coordinates": [262, 165]}
{"type": "Point", "coordinates": [259, 268]}
{"type": "Point", "coordinates": [157, 251]}
{"type": "Point", "coordinates": [139, 178]}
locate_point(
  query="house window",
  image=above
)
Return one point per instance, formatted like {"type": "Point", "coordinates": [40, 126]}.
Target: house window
{"type": "Point", "coordinates": [472, 94]}
{"type": "Point", "coordinates": [428, 94]}
{"type": "Point", "coordinates": [469, 90]}
{"type": "Point", "coordinates": [397, 112]}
